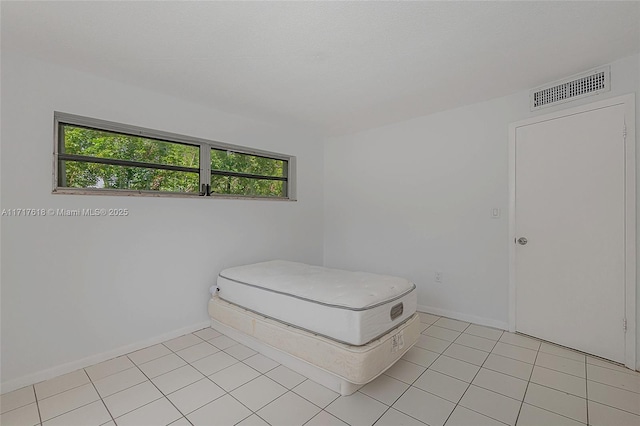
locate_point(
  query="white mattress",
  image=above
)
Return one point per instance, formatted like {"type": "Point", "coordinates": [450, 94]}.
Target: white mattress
{"type": "Point", "coordinates": [349, 307]}
{"type": "Point", "coordinates": [343, 368]}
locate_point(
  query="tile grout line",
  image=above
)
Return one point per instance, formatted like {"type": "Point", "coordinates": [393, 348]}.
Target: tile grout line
{"type": "Point", "coordinates": [100, 396]}
{"type": "Point", "coordinates": [614, 386]}
{"type": "Point", "coordinates": [507, 374]}
{"type": "Point", "coordinates": [587, 355]}
{"type": "Point", "coordinates": [554, 413]}
{"type": "Point", "coordinates": [37, 404]}
{"type": "Point", "coordinates": [74, 409]}
{"type": "Point", "coordinates": [244, 405]}
{"type": "Point", "coordinates": [321, 409]}
{"type": "Point", "coordinates": [252, 413]}
{"type": "Point", "coordinates": [189, 363]}
{"type": "Point", "coordinates": [288, 390]}
{"type": "Point", "coordinates": [229, 393]}
{"type": "Point", "coordinates": [469, 386]}
{"type": "Point", "coordinates": [316, 415]}
{"type": "Point", "coordinates": [161, 393]}
{"type": "Point", "coordinates": [586, 397]}
{"type": "Point", "coordinates": [476, 385]}
{"type": "Point", "coordinates": [611, 406]}
{"type": "Point", "coordinates": [169, 371]}
{"type": "Point", "coordinates": [110, 374]}
{"type": "Point", "coordinates": [225, 391]}
{"type": "Point", "coordinates": [516, 359]}
{"type": "Point", "coordinates": [426, 369]}
{"type": "Point", "coordinates": [209, 378]}
{"type": "Point", "coordinates": [69, 411]}
{"type": "Point", "coordinates": [470, 347]}
{"type": "Point", "coordinates": [57, 393]}
{"type": "Point", "coordinates": [206, 403]}
{"type": "Point", "coordinates": [444, 374]}
{"type": "Point", "coordinates": [186, 347]}
{"type": "Point", "coordinates": [559, 390]}
{"type": "Point", "coordinates": [626, 370]}
{"type": "Point", "coordinates": [562, 356]}
{"type": "Point", "coordinates": [558, 371]}
{"type": "Point", "coordinates": [570, 394]}
{"type": "Point", "coordinates": [410, 384]}
{"type": "Point", "coordinates": [198, 359]}
{"type": "Point", "coordinates": [528, 382]}
{"type": "Point", "coordinates": [22, 406]}
{"type": "Point", "coordinates": [121, 390]}
{"type": "Point", "coordinates": [586, 386]}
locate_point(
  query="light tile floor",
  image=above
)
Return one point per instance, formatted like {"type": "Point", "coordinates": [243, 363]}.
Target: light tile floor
{"type": "Point", "coordinates": [457, 374]}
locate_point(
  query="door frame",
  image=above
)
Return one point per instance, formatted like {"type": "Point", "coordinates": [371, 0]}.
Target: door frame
{"type": "Point", "coordinates": [628, 101]}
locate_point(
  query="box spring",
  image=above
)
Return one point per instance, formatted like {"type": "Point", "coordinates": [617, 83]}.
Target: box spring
{"type": "Point", "coordinates": [340, 367]}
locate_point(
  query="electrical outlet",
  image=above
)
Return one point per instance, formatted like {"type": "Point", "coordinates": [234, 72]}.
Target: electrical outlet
{"type": "Point", "coordinates": [438, 277]}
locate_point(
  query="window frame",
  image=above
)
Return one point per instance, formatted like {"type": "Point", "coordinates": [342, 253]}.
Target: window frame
{"type": "Point", "coordinates": [205, 146]}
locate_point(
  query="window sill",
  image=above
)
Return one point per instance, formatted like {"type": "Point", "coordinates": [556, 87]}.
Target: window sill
{"type": "Point", "coordinates": [130, 193]}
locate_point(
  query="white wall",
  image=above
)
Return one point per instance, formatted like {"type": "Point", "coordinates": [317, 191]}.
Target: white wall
{"type": "Point", "coordinates": [415, 197]}
{"type": "Point", "coordinates": [77, 287]}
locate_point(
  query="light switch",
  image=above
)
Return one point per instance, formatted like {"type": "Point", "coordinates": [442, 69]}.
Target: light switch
{"type": "Point", "coordinates": [495, 213]}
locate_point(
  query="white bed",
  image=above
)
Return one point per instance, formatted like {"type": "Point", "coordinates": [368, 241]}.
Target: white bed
{"type": "Point", "coordinates": [341, 329]}
{"type": "Point", "coordinates": [349, 307]}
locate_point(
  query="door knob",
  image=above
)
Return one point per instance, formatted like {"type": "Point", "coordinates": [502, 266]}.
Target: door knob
{"type": "Point", "coordinates": [522, 241]}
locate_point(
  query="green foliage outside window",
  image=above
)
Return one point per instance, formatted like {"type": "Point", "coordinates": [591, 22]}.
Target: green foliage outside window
{"type": "Point", "coordinates": [257, 173]}
{"type": "Point", "coordinates": [96, 143]}
{"type": "Point", "coordinates": [249, 164]}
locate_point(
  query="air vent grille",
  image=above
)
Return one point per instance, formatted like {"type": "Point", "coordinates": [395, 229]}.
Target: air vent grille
{"type": "Point", "coordinates": [585, 84]}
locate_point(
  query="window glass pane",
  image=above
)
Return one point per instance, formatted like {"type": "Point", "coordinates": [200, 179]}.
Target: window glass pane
{"type": "Point", "coordinates": [247, 186]}
{"type": "Point", "coordinates": [244, 163]}
{"type": "Point", "coordinates": [80, 174]}
{"type": "Point", "coordinates": [102, 144]}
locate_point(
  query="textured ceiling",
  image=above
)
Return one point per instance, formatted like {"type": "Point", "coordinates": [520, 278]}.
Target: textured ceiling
{"type": "Point", "coordinates": [332, 67]}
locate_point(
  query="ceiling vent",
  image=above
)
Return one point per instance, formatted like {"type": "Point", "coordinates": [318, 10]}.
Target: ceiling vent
{"type": "Point", "coordinates": [572, 88]}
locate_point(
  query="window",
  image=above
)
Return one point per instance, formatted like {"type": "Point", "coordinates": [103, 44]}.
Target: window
{"type": "Point", "coordinates": [242, 174]}
{"type": "Point", "coordinates": [99, 156]}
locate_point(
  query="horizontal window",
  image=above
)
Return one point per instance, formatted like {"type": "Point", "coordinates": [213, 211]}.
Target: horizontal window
{"type": "Point", "coordinates": [94, 155]}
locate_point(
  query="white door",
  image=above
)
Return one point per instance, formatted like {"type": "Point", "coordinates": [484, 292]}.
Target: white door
{"type": "Point", "coordinates": [570, 208]}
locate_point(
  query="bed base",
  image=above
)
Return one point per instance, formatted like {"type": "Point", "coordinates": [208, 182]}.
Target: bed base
{"type": "Point", "coordinates": [339, 367]}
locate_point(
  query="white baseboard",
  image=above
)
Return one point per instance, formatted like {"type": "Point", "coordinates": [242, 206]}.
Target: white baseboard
{"type": "Point", "coordinates": [68, 367]}
{"type": "Point", "coordinates": [464, 317]}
